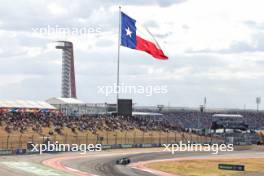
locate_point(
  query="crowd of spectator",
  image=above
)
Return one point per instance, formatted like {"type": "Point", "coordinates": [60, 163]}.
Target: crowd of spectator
{"type": "Point", "coordinates": [197, 119]}
{"type": "Point", "coordinates": [57, 122]}
{"type": "Point", "coordinates": [174, 120]}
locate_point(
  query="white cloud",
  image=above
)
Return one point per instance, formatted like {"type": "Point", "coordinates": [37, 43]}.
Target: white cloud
{"type": "Point", "coordinates": [57, 9]}
{"type": "Point", "coordinates": [215, 48]}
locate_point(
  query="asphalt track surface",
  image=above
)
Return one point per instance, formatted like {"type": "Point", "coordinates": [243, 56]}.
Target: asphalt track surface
{"type": "Point", "coordinates": [106, 166]}
{"type": "Point", "coordinates": [99, 163]}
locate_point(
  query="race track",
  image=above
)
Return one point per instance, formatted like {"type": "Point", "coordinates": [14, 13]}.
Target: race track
{"type": "Point", "coordinates": [96, 163]}
{"type": "Point", "coordinates": [105, 166]}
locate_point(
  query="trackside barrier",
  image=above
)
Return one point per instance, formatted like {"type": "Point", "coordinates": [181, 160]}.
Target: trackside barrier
{"type": "Point", "coordinates": [116, 146]}
{"type": "Point", "coordinates": [15, 141]}
{"type": "Point", "coordinates": [156, 145]}
{"type": "Point", "coordinates": [136, 145]}
{"type": "Point", "coordinates": [20, 151]}
{"type": "Point", "coordinates": [16, 144]}
{"type": "Point", "coordinates": [126, 145]}
{"type": "Point", "coordinates": [5, 152]}
{"type": "Point", "coordinates": [29, 152]}
{"type": "Point", "coordinates": [106, 147]}
{"type": "Point", "coordinates": [146, 145]}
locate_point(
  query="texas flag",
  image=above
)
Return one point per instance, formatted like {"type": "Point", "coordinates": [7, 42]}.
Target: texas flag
{"type": "Point", "coordinates": [139, 38]}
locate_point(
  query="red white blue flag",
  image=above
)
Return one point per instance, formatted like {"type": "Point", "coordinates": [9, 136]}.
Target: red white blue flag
{"type": "Point", "coordinates": [135, 37]}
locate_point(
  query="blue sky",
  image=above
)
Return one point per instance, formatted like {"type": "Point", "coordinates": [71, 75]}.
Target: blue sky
{"type": "Point", "coordinates": [215, 49]}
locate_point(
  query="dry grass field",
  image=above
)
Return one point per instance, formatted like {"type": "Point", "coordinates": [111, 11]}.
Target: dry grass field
{"type": "Point", "coordinates": [253, 166]}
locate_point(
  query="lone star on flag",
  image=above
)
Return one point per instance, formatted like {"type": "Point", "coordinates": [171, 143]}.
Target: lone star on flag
{"type": "Point", "coordinates": [128, 32]}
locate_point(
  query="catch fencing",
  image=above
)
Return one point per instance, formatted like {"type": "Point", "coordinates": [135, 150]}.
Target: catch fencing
{"type": "Point", "coordinates": [11, 142]}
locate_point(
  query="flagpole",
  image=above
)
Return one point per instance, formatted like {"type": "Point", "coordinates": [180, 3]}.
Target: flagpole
{"type": "Point", "coordinates": [118, 57]}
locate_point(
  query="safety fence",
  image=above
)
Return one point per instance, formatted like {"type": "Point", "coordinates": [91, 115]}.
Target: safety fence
{"type": "Point", "coordinates": [108, 139]}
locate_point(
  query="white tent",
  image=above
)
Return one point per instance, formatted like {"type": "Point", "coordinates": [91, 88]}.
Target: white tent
{"type": "Point", "coordinates": [25, 104]}
{"type": "Point", "coordinates": [61, 101]}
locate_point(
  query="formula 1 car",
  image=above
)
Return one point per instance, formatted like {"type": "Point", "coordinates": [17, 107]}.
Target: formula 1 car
{"type": "Point", "coordinates": [123, 161]}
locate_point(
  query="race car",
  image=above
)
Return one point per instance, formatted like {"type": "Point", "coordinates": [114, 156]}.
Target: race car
{"type": "Point", "coordinates": [123, 161]}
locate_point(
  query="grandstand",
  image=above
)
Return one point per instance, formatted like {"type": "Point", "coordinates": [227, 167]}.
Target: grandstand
{"type": "Point", "coordinates": [233, 128]}
{"type": "Point", "coordinates": [71, 120]}
{"type": "Point", "coordinates": [203, 120]}
{"type": "Point", "coordinates": [229, 122]}
{"type": "Point", "coordinates": [18, 128]}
